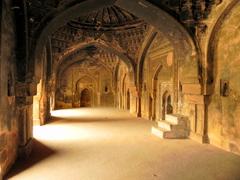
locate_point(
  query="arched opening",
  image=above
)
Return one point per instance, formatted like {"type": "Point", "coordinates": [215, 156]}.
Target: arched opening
{"type": "Point", "coordinates": [128, 100]}
{"type": "Point", "coordinates": [150, 108]}
{"type": "Point", "coordinates": [163, 109]}
{"type": "Point", "coordinates": [185, 52]}
{"type": "Point", "coordinates": [85, 98]}
{"type": "Point", "coordinates": [37, 105]}
{"type": "Point", "coordinates": [167, 107]}
{"type": "Point", "coordinates": [146, 57]}
{"type": "Point", "coordinates": [223, 80]}
{"type": "Point", "coordinates": [156, 92]}
{"type": "Point", "coordinates": [120, 47]}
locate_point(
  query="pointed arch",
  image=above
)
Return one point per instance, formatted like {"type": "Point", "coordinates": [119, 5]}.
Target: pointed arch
{"type": "Point", "coordinates": [211, 51]}
{"type": "Point", "coordinates": [101, 45]}
{"type": "Point", "coordinates": [183, 43]}
{"type": "Point", "coordinates": [143, 52]}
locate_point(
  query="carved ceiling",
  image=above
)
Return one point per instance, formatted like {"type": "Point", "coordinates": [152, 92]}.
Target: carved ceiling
{"type": "Point", "coordinates": [91, 66]}
{"type": "Point", "coordinates": [189, 12]}
{"type": "Point", "coordinates": [107, 19]}
{"type": "Point", "coordinates": [93, 59]}
{"type": "Point", "coordinates": [112, 25]}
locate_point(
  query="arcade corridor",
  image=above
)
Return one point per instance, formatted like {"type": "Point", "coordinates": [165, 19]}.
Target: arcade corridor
{"type": "Point", "coordinates": [108, 144]}
{"type": "Point", "coordinates": [119, 89]}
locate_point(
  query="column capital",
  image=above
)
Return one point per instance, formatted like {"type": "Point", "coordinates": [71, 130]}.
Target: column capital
{"type": "Point", "coordinates": [24, 89]}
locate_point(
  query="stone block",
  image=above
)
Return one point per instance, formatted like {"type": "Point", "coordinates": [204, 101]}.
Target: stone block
{"type": "Point", "coordinates": [3, 156]}
{"type": "Point", "coordinates": [194, 99]}
{"type": "Point", "coordinates": [26, 89]}
{"type": "Point", "coordinates": [199, 137]}
{"type": "Point", "coordinates": [24, 151]}
{"type": "Point", "coordinates": [3, 140]}
{"type": "Point", "coordinates": [24, 101]}
{"type": "Point", "coordinates": [192, 89]}
{"type": "Point", "coordinates": [12, 137]}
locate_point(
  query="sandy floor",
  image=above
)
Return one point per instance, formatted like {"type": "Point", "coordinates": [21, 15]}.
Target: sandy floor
{"type": "Point", "coordinates": [105, 144]}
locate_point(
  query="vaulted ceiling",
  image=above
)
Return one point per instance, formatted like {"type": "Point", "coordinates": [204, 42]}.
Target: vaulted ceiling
{"type": "Point", "coordinates": [188, 12]}
{"type": "Point", "coordinates": [112, 27]}
{"type": "Point", "coordinates": [107, 19]}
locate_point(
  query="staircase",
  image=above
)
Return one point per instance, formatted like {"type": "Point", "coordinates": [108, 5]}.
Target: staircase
{"type": "Point", "coordinates": [173, 127]}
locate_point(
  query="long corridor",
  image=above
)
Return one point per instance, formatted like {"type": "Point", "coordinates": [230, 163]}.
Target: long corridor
{"type": "Point", "coordinates": [108, 144]}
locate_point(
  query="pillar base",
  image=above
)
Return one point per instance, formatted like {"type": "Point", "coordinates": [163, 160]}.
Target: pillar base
{"type": "Point", "coordinates": [24, 151]}
{"type": "Point", "coordinates": [199, 138]}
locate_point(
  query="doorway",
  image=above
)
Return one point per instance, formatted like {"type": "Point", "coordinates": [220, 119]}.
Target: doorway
{"type": "Point", "coordinates": [85, 98]}
{"type": "Point", "coordinates": [167, 107]}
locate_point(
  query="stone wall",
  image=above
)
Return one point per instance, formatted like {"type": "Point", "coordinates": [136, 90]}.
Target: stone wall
{"type": "Point", "coordinates": [8, 124]}
{"type": "Point", "coordinates": [203, 85]}
{"type": "Point", "coordinates": [158, 78]}
{"type": "Point", "coordinates": [126, 95]}
{"type": "Point", "coordinates": [75, 79]}
{"type": "Point", "coordinates": [224, 107]}
{"type": "Point", "coordinates": [217, 38]}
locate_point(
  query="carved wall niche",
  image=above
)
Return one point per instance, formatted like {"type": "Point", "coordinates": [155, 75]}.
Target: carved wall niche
{"type": "Point", "coordinates": [126, 96]}
{"type": "Point", "coordinates": [166, 99]}
{"type": "Point", "coordinates": [224, 87]}
{"type": "Point", "coordinates": [157, 72]}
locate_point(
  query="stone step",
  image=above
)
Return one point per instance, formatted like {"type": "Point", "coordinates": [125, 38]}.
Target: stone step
{"type": "Point", "coordinates": [169, 126]}
{"type": "Point", "coordinates": [179, 134]}
{"type": "Point", "coordinates": [175, 119]}
{"type": "Point", "coordinates": [164, 133]}
{"type": "Point", "coordinates": [159, 132]}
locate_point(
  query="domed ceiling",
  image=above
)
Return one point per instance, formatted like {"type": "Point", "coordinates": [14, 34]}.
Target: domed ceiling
{"type": "Point", "coordinates": [112, 25]}
{"type": "Point", "coordinates": [108, 18]}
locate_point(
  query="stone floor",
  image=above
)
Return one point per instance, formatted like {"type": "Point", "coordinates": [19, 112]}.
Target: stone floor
{"type": "Point", "coordinates": [105, 144]}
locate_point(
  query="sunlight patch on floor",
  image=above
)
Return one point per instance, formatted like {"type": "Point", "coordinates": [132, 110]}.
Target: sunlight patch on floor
{"type": "Point", "coordinates": [118, 148]}
{"type": "Point", "coordinates": [70, 113]}
{"type": "Point", "coordinates": [61, 132]}
{"type": "Point", "coordinates": [67, 128]}
{"type": "Point", "coordinates": [90, 113]}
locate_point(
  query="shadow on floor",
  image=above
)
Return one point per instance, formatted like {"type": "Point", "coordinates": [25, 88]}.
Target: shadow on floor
{"type": "Point", "coordinates": [39, 153]}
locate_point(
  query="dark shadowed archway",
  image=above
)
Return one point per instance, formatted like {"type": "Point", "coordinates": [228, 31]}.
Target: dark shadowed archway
{"type": "Point", "coordinates": [85, 98]}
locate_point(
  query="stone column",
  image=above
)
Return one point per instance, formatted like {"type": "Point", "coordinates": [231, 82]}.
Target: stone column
{"type": "Point", "coordinates": [24, 101]}
{"type": "Point", "coordinates": [154, 99]}
{"type": "Point", "coordinates": [98, 98]}
{"type": "Point", "coordinates": [139, 98]}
